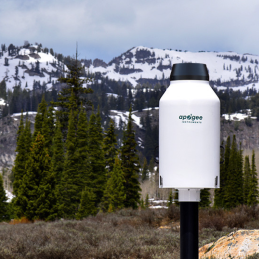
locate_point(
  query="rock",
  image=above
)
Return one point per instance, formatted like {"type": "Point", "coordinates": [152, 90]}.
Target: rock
{"type": "Point", "coordinates": [239, 244]}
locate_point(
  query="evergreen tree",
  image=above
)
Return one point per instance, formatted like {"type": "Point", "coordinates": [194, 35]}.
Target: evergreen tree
{"type": "Point", "coordinates": [234, 186]}
{"type": "Point", "coordinates": [36, 194]}
{"type": "Point", "coordinates": [3, 90]}
{"type": "Point", "coordinates": [205, 198]}
{"type": "Point", "coordinates": [82, 150]}
{"type": "Point", "coordinates": [110, 146]}
{"type": "Point", "coordinates": [51, 121]}
{"type": "Point", "coordinates": [3, 201]}
{"type": "Point", "coordinates": [96, 156]}
{"type": "Point", "coordinates": [69, 191]}
{"type": "Point", "coordinates": [74, 84]}
{"type": "Point", "coordinates": [130, 165]}
{"type": "Point", "coordinates": [253, 192]}
{"type": "Point", "coordinates": [41, 119]}
{"type": "Point", "coordinates": [57, 160]}
{"type": "Point", "coordinates": [220, 197]}
{"type": "Point", "coordinates": [247, 177]}
{"type": "Point", "coordinates": [87, 204]}
{"type": "Point", "coordinates": [22, 150]}
{"type": "Point", "coordinates": [114, 194]}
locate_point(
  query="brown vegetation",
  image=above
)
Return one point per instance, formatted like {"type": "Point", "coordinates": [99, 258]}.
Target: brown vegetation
{"type": "Point", "coordinates": [124, 234]}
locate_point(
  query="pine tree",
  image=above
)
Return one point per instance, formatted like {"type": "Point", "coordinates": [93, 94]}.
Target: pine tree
{"type": "Point", "coordinates": [87, 204]}
{"type": "Point", "coordinates": [41, 119]}
{"type": "Point", "coordinates": [114, 194]}
{"type": "Point", "coordinates": [3, 90]}
{"type": "Point", "coordinates": [69, 191]}
{"type": "Point", "coordinates": [96, 157]}
{"type": "Point", "coordinates": [247, 177]}
{"type": "Point", "coordinates": [234, 186]}
{"type": "Point", "coordinates": [220, 194]}
{"type": "Point", "coordinates": [51, 121]}
{"type": "Point", "coordinates": [82, 150]}
{"type": "Point", "coordinates": [130, 165]}
{"type": "Point", "coordinates": [36, 194]}
{"type": "Point", "coordinates": [252, 198]}
{"type": "Point", "coordinates": [23, 152]}
{"type": "Point", "coordinates": [3, 202]}
{"type": "Point", "coordinates": [57, 160]}
{"type": "Point", "coordinates": [110, 146]}
{"type": "Point", "coordinates": [205, 198]}
{"type": "Point", "coordinates": [76, 85]}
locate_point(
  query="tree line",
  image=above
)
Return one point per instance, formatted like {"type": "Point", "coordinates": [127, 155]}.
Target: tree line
{"type": "Point", "coordinates": [238, 178]}
{"type": "Point", "coordinates": [69, 167]}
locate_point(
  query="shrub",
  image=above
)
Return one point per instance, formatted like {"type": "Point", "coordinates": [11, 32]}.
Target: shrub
{"type": "Point", "coordinates": [173, 212]}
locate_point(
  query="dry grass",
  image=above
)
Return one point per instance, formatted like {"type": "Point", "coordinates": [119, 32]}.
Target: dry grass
{"type": "Point", "coordinates": [124, 234]}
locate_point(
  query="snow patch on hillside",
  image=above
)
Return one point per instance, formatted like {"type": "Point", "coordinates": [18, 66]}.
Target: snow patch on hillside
{"type": "Point", "coordinates": [8, 73]}
{"type": "Point", "coordinates": [9, 196]}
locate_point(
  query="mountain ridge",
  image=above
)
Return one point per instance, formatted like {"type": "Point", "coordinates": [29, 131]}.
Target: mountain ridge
{"type": "Point", "coordinates": [139, 65]}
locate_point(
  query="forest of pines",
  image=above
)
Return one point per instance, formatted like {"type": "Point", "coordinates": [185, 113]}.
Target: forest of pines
{"type": "Point", "coordinates": [68, 168]}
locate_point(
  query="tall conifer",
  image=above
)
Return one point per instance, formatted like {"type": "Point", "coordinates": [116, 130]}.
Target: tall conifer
{"type": "Point", "coordinates": [110, 146]}
{"type": "Point", "coordinates": [57, 160]}
{"type": "Point", "coordinates": [252, 198]}
{"type": "Point", "coordinates": [36, 194]}
{"type": "Point", "coordinates": [69, 192]}
{"type": "Point", "coordinates": [19, 162]}
{"type": "Point", "coordinates": [74, 84]}
{"type": "Point", "coordinates": [82, 149]}
{"type": "Point", "coordinates": [96, 157]}
{"type": "Point", "coordinates": [40, 119]}
{"type": "Point", "coordinates": [247, 177]}
{"type": "Point", "coordinates": [130, 165]}
{"type": "Point", "coordinates": [87, 204]}
{"type": "Point", "coordinates": [234, 187]}
{"type": "Point", "coordinates": [114, 194]}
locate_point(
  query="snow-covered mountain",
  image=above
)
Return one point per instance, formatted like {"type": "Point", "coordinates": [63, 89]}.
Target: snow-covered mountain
{"type": "Point", "coordinates": [139, 65]}
{"type": "Point", "coordinates": [27, 66]}
{"type": "Point", "coordinates": [150, 65]}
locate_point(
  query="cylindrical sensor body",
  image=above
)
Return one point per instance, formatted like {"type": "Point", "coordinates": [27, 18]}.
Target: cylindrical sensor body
{"type": "Point", "coordinates": [189, 130]}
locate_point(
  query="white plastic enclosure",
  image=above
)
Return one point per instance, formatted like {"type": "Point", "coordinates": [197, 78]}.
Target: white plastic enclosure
{"type": "Point", "coordinates": [189, 136]}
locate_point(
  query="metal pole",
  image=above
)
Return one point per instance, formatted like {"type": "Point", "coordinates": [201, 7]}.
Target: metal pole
{"type": "Point", "coordinates": [189, 230]}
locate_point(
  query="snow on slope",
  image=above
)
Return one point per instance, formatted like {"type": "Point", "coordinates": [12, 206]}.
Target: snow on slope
{"type": "Point", "coordinates": [8, 72]}
{"type": "Point", "coordinates": [118, 116]}
{"type": "Point", "coordinates": [138, 64]}
{"type": "Point", "coordinates": [9, 196]}
{"type": "Point", "coordinates": [149, 67]}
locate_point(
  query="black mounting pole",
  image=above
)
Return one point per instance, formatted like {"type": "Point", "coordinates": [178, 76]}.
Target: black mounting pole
{"type": "Point", "coordinates": [189, 230]}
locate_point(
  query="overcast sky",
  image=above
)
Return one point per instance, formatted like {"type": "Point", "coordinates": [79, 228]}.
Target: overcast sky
{"type": "Point", "coordinates": [105, 29]}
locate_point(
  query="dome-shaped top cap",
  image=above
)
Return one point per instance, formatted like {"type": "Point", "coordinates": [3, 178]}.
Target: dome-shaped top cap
{"type": "Point", "coordinates": [189, 71]}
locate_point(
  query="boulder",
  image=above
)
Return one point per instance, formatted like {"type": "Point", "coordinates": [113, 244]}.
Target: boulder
{"type": "Point", "coordinates": [239, 244]}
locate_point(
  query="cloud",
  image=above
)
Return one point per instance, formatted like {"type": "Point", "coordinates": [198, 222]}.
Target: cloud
{"type": "Point", "coordinates": [105, 29]}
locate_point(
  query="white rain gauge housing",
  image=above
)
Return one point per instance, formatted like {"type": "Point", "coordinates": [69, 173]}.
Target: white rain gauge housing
{"type": "Point", "coordinates": [189, 141]}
